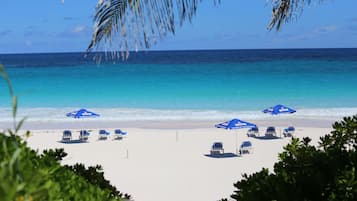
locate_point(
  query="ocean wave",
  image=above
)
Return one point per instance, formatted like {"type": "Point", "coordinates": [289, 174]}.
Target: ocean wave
{"type": "Point", "coordinates": [125, 114]}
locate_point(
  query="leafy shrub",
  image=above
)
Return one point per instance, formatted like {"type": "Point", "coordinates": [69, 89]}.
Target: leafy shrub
{"type": "Point", "coordinates": [25, 175]}
{"type": "Point", "coordinates": [304, 172]}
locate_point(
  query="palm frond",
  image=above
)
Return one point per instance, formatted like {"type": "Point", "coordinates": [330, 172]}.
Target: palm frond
{"type": "Point", "coordinates": [286, 10]}
{"type": "Point", "coordinates": [137, 24]}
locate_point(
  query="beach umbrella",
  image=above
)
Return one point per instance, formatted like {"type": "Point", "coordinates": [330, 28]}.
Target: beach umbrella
{"type": "Point", "coordinates": [82, 113]}
{"type": "Point", "coordinates": [279, 109]}
{"type": "Point", "coordinates": [235, 124]}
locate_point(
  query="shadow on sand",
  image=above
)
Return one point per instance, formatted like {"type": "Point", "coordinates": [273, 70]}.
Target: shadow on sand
{"type": "Point", "coordinates": [225, 155]}
{"type": "Point", "coordinates": [266, 137]}
{"type": "Point", "coordinates": [72, 142]}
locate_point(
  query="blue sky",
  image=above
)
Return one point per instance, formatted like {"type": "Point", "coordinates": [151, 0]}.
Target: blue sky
{"type": "Point", "coordinates": [50, 26]}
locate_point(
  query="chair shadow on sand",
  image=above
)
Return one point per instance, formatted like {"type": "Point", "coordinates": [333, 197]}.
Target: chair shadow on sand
{"type": "Point", "coordinates": [224, 155]}
{"type": "Point", "coordinates": [72, 142]}
{"type": "Point", "coordinates": [266, 137]}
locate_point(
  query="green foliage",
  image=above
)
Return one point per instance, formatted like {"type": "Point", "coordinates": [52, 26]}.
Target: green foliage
{"type": "Point", "coordinates": [13, 97]}
{"type": "Point", "coordinates": [95, 176]}
{"type": "Point", "coordinates": [25, 175]}
{"type": "Point", "coordinates": [305, 172]}
{"type": "Point", "coordinates": [57, 154]}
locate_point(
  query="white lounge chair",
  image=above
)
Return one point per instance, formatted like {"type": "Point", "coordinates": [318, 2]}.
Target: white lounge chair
{"type": "Point", "coordinates": [270, 132]}
{"type": "Point", "coordinates": [245, 147]}
{"type": "Point", "coordinates": [253, 132]}
{"type": "Point", "coordinates": [289, 132]}
{"type": "Point", "coordinates": [119, 134]}
{"type": "Point", "coordinates": [67, 136]}
{"type": "Point", "coordinates": [103, 135]}
{"type": "Point", "coordinates": [217, 148]}
{"type": "Point", "coordinates": [84, 135]}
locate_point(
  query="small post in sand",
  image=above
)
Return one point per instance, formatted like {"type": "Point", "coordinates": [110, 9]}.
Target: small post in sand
{"type": "Point", "coordinates": [177, 137]}
{"type": "Point", "coordinates": [236, 142]}
{"type": "Point", "coordinates": [127, 153]}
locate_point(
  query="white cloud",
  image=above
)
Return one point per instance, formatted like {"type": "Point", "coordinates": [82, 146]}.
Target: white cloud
{"type": "Point", "coordinates": [79, 29]}
{"type": "Point", "coordinates": [325, 29]}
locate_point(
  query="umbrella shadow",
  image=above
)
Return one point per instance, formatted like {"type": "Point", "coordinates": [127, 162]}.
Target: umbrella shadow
{"type": "Point", "coordinates": [225, 155]}
{"type": "Point", "coordinates": [72, 142]}
{"type": "Point", "coordinates": [266, 137]}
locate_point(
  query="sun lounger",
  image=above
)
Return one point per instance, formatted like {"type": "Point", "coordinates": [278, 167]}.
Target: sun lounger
{"type": "Point", "coordinates": [67, 136]}
{"type": "Point", "coordinates": [289, 132]}
{"type": "Point", "coordinates": [270, 132]}
{"type": "Point", "coordinates": [119, 134]}
{"type": "Point", "coordinates": [217, 148]}
{"type": "Point", "coordinates": [83, 135]}
{"type": "Point", "coordinates": [245, 147]}
{"type": "Point", "coordinates": [103, 135]}
{"type": "Point", "coordinates": [253, 132]}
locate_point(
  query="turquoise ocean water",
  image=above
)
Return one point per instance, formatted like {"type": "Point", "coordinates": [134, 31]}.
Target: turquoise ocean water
{"type": "Point", "coordinates": [184, 84]}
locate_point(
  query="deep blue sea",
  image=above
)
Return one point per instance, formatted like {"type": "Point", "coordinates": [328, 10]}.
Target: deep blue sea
{"type": "Point", "coordinates": [183, 84]}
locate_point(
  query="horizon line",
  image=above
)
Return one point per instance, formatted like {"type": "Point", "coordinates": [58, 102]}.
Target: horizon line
{"type": "Point", "coordinates": [181, 50]}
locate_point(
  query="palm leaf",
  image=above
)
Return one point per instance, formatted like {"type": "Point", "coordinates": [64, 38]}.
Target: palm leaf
{"type": "Point", "coordinates": [11, 91]}
{"type": "Point", "coordinates": [286, 10]}
{"type": "Point", "coordinates": [133, 24]}
{"type": "Point", "coordinates": [7, 79]}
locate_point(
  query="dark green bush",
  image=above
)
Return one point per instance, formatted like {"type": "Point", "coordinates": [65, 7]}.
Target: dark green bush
{"type": "Point", "coordinates": [327, 172]}
{"type": "Point", "coordinates": [25, 175]}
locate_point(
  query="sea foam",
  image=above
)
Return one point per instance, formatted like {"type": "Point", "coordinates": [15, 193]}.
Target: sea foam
{"type": "Point", "coordinates": [137, 114]}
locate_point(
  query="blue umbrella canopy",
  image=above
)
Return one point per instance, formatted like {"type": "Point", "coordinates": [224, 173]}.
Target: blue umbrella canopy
{"type": "Point", "coordinates": [279, 109]}
{"type": "Point", "coordinates": [82, 113]}
{"type": "Point", "coordinates": [235, 124]}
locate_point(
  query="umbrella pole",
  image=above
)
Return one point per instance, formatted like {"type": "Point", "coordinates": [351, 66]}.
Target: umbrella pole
{"type": "Point", "coordinates": [236, 142]}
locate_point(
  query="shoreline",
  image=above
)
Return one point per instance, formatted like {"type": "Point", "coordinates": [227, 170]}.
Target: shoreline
{"type": "Point", "coordinates": [166, 124]}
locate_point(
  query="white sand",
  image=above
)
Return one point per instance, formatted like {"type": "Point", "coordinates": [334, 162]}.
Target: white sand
{"type": "Point", "coordinates": [158, 165]}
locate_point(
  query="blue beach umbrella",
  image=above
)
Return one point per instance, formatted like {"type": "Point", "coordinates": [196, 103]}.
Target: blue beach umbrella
{"type": "Point", "coordinates": [235, 124]}
{"type": "Point", "coordinates": [279, 109]}
{"type": "Point", "coordinates": [82, 113]}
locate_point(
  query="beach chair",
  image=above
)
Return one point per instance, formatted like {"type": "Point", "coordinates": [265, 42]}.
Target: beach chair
{"type": "Point", "coordinates": [270, 132]}
{"type": "Point", "coordinates": [83, 135]}
{"type": "Point", "coordinates": [67, 136]}
{"type": "Point", "coordinates": [289, 132]}
{"type": "Point", "coordinates": [253, 132]}
{"type": "Point", "coordinates": [103, 135]}
{"type": "Point", "coordinates": [119, 134]}
{"type": "Point", "coordinates": [245, 148]}
{"type": "Point", "coordinates": [217, 148]}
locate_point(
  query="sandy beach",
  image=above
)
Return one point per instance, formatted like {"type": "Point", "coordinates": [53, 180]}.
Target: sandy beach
{"type": "Point", "coordinates": [168, 163]}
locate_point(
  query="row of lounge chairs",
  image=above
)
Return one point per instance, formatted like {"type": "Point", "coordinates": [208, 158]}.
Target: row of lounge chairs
{"type": "Point", "coordinates": [118, 134]}
{"type": "Point", "coordinates": [245, 148]}
{"type": "Point", "coordinates": [271, 132]}
{"type": "Point", "coordinates": [84, 135]}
